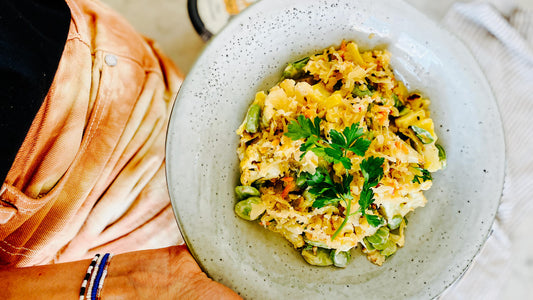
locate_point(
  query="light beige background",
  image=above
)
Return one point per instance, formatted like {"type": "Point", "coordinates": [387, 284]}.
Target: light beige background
{"type": "Point", "coordinates": [167, 22]}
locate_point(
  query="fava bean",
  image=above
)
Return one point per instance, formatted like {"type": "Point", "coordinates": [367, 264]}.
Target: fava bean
{"type": "Point", "coordinates": [367, 244]}
{"type": "Point", "coordinates": [245, 191]}
{"type": "Point", "coordinates": [389, 249]}
{"type": "Point", "coordinates": [252, 118]}
{"type": "Point", "coordinates": [340, 258]}
{"type": "Point", "coordinates": [379, 238]}
{"type": "Point", "coordinates": [250, 209]}
{"type": "Point", "coordinates": [395, 222]}
{"type": "Point", "coordinates": [321, 258]}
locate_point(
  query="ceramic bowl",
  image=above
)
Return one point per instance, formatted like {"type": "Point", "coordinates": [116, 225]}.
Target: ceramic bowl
{"type": "Point", "coordinates": [248, 55]}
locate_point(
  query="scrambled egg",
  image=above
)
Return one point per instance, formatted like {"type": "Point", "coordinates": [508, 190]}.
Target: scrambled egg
{"type": "Point", "coordinates": [342, 87]}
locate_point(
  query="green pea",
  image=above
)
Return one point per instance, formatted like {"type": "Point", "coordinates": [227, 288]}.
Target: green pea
{"type": "Point", "coordinates": [321, 258]}
{"type": "Point", "coordinates": [389, 248]}
{"type": "Point", "coordinates": [245, 191]}
{"type": "Point", "coordinates": [423, 135]}
{"type": "Point", "coordinates": [250, 209]}
{"type": "Point", "coordinates": [379, 238]}
{"type": "Point", "coordinates": [252, 118]}
{"type": "Point", "coordinates": [340, 258]}
{"type": "Point", "coordinates": [395, 222]}
{"type": "Point", "coordinates": [442, 155]}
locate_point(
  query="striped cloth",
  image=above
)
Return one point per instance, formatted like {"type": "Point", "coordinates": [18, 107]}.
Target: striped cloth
{"type": "Point", "coordinates": [500, 36]}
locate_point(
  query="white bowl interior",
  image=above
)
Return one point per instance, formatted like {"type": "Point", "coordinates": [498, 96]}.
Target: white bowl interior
{"type": "Point", "coordinates": [249, 55]}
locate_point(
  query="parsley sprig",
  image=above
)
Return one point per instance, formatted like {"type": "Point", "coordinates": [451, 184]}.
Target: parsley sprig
{"type": "Point", "coordinates": [335, 151]}
{"type": "Point", "coordinates": [327, 190]}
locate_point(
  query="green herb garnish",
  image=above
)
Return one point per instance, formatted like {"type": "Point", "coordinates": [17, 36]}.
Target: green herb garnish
{"type": "Point", "coordinates": [424, 175]}
{"type": "Point", "coordinates": [327, 191]}
{"type": "Point", "coordinates": [372, 169]}
{"type": "Point", "coordinates": [333, 152]}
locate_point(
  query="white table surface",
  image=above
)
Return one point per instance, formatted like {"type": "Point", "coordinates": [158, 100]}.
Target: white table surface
{"type": "Point", "coordinates": [167, 22]}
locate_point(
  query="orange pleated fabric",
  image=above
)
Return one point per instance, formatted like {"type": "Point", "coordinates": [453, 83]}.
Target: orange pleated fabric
{"type": "Point", "coordinates": [90, 174]}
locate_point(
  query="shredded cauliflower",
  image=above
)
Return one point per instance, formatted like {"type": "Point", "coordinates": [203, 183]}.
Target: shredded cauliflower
{"type": "Point", "coordinates": [342, 87]}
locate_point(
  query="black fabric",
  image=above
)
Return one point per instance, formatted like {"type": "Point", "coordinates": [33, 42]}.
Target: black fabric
{"type": "Point", "coordinates": [32, 38]}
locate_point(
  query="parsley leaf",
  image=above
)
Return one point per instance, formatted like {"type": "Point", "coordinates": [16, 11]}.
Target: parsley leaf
{"type": "Point", "coordinates": [324, 201]}
{"type": "Point", "coordinates": [328, 192]}
{"type": "Point", "coordinates": [360, 146]}
{"type": "Point", "coordinates": [352, 133]}
{"type": "Point", "coordinates": [323, 187]}
{"type": "Point", "coordinates": [366, 198]}
{"type": "Point", "coordinates": [303, 128]}
{"type": "Point", "coordinates": [335, 155]}
{"type": "Point", "coordinates": [337, 138]}
{"type": "Point", "coordinates": [372, 169]}
{"type": "Point", "coordinates": [374, 220]}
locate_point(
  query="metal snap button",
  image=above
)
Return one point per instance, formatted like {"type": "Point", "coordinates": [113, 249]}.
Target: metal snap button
{"type": "Point", "coordinates": [110, 60]}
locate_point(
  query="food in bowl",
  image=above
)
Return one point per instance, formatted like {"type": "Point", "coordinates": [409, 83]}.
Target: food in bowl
{"type": "Point", "coordinates": [336, 155]}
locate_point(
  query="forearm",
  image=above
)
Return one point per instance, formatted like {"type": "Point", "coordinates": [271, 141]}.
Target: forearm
{"type": "Point", "coordinates": [168, 273]}
{"type": "Point", "coordinates": [59, 281]}
{"type": "Point", "coordinates": [63, 281]}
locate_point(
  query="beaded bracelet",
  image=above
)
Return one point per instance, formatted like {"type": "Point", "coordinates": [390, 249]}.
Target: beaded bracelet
{"type": "Point", "coordinates": [99, 281]}
{"type": "Point", "coordinates": [94, 277]}
{"type": "Point", "coordinates": [88, 276]}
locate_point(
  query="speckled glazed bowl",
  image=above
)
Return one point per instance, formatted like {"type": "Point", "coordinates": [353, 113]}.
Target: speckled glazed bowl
{"type": "Point", "coordinates": [248, 55]}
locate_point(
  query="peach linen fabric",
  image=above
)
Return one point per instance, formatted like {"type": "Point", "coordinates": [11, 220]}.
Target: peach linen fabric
{"type": "Point", "coordinates": [90, 174]}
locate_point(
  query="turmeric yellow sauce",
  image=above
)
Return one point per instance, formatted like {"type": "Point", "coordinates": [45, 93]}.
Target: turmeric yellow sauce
{"type": "Point", "coordinates": [336, 155]}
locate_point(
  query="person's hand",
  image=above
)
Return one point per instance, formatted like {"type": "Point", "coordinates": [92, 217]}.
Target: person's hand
{"type": "Point", "coordinates": [168, 273]}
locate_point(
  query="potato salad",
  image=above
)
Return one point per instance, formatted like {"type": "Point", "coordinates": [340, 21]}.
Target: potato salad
{"type": "Point", "coordinates": [336, 155]}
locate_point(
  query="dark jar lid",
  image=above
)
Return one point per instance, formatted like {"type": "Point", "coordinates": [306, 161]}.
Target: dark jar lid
{"type": "Point", "coordinates": [209, 16]}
